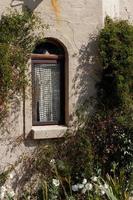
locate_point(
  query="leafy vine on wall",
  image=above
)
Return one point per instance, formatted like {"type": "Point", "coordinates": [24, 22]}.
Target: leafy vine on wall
{"type": "Point", "coordinates": [17, 31]}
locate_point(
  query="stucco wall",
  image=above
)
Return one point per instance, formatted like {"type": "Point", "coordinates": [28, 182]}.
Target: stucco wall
{"type": "Point", "coordinates": [126, 10]}
{"type": "Point", "coordinates": [111, 8]}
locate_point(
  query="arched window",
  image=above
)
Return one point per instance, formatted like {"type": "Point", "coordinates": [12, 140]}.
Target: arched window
{"type": "Point", "coordinates": [48, 83]}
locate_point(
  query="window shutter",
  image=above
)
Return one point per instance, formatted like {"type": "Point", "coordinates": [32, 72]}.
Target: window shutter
{"type": "Point", "coordinates": [46, 92]}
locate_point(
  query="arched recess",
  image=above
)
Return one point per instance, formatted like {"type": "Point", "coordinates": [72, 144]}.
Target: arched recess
{"type": "Point", "coordinates": [50, 83]}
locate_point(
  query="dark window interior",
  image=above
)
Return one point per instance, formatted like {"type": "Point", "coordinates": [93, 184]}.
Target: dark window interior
{"type": "Point", "coordinates": [50, 47]}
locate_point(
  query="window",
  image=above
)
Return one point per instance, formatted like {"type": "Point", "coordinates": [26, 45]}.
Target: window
{"type": "Point", "coordinates": [48, 84]}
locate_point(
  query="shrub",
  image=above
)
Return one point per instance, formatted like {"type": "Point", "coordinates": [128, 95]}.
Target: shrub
{"type": "Point", "coordinates": [116, 53]}
{"type": "Point", "coordinates": [111, 126]}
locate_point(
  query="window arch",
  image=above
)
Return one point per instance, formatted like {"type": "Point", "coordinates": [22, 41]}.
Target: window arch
{"type": "Point", "coordinates": [48, 83]}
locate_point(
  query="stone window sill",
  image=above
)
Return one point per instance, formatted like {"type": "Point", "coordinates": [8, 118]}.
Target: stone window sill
{"type": "Point", "coordinates": [48, 132]}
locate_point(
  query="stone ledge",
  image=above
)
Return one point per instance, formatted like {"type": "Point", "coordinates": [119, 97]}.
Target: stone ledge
{"type": "Point", "coordinates": [48, 132]}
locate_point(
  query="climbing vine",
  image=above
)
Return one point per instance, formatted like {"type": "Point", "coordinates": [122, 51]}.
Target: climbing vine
{"type": "Point", "coordinates": [17, 40]}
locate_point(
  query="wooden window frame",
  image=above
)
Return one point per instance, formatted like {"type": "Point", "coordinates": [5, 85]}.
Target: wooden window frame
{"type": "Point", "coordinates": [50, 59]}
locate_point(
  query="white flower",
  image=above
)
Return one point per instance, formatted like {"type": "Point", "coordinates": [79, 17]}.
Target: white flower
{"type": "Point", "coordinates": [56, 182]}
{"type": "Point", "coordinates": [101, 186]}
{"type": "Point", "coordinates": [89, 186]}
{"type": "Point", "coordinates": [52, 161]}
{"type": "Point", "coordinates": [84, 190]}
{"type": "Point", "coordinates": [94, 178]}
{"type": "Point", "coordinates": [102, 192]}
{"type": "Point", "coordinates": [75, 188]}
{"type": "Point", "coordinates": [80, 186]}
{"type": "Point", "coordinates": [132, 192]}
{"type": "Point", "coordinates": [84, 181]}
{"type": "Point", "coordinates": [106, 186]}
{"type": "Point", "coordinates": [3, 191]}
{"type": "Point", "coordinates": [12, 193]}
{"type": "Point", "coordinates": [11, 175]}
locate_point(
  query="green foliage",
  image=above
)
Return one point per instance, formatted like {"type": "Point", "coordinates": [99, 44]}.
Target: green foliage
{"type": "Point", "coordinates": [80, 155]}
{"type": "Point", "coordinates": [111, 140]}
{"type": "Point", "coordinates": [116, 51]}
{"type": "Point", "coordinates": [17, 40]}
{"type": "Point", "coordinates": [111, 128]}
{"type": "Point", "coordinates": [119, 186]}
{"type": "Point", "coordinates": [42, 158]}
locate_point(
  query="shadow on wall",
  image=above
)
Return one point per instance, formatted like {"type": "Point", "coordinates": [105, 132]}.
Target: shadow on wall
{"type": "Point", "coordinates": [88, 74]}
{"type": "Point", "coordinates": [31, 4]}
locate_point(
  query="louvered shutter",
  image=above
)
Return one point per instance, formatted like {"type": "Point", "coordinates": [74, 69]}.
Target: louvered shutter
{"type": "Point", "coordinates": [46, 92]}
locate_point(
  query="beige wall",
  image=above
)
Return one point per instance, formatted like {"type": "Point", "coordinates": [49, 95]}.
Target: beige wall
{"type": "Point", "coordinates": [126, 9]}
{"type": "Point", "coordinates": [111, 8]}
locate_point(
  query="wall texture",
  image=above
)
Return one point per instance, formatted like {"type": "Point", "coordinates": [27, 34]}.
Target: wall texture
{"type": "Point", "coordinates": [111, 8]}
{"type": "Point", "coordinates": [126, 10]}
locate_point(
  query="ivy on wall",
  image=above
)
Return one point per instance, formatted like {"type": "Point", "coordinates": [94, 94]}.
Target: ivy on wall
{"type": "Point", "coordinates": [17, 40]}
